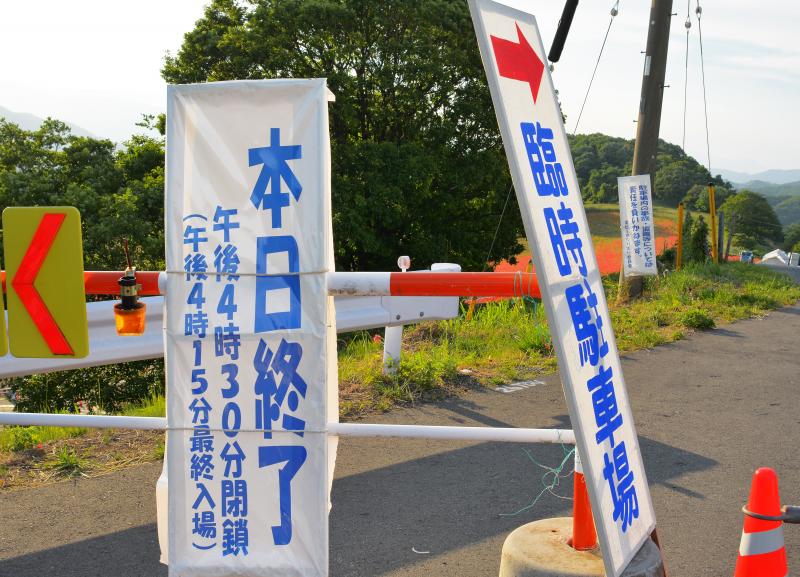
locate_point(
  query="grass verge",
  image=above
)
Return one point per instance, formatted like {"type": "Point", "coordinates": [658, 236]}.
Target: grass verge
{"type": "Point", "coordinates": [503, 342]}
{"type": "Point", "coordinates": [34, 456]}
{"type": "Point", "coordinates": [509, 340]}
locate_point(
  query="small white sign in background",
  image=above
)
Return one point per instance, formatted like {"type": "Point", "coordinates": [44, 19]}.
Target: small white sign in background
{"type": "Point", "coordinates": [636, 224]}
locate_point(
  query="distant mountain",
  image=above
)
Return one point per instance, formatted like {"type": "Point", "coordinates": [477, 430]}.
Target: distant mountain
{"type": "Point", "coordinates": [774, 176]}
{"type": "Point", "coordinates": [771, 190]}
{"type": "Point", "coordinates": [28, 121]}
{"type": "Point", "coordinates": [783, 198]}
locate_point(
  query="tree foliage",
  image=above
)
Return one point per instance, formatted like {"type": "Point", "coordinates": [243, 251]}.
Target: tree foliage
{"type": "Point", "coordinates": [697, 197]}
{"type": "Point", "coordinates": [787, 209]}
{"type": "Point", "coordinates": [601, 159]}
{"type": "Point", "coordinates": [791, 236]}
{"type": "Point", "coordinates": [107, 387]}
{"type": "Point", "coordinates": [418, 166]}
{"type": "Point", "coordinates": [756, 222]}
{"type": "Point", "coordinates": [688, 226]}
{"type": "Point", "coordinates": [119, 192]}
{"type": "Point", "coordinates": [697, 247]}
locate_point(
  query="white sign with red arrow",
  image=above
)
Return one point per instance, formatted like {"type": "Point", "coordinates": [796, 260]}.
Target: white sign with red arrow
{"type": "Point", "coordinates": [572, 291]}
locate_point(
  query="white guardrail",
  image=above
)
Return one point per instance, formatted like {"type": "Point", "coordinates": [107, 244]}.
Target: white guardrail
{"type": "Point", "coordinates": [353, 313]}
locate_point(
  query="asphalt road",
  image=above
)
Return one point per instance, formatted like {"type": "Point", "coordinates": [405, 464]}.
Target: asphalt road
{"type": "Point", "coordinates": [709, 410]}
{"type": "Point", "coordinates": [792, 271]}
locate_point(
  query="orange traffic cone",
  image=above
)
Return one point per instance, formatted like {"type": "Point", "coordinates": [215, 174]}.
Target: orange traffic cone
{"type": "Point", "coordinates": [584, 535]}
{"type": "Point", "coordinates": [761, 552]}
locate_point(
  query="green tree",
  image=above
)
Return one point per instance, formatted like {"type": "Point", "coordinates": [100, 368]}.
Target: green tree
{"type": "Point", "coordinates": [119, 192]}
{"type": "Point", "coordinates": [603, 185]}
{"type": "Point", "coordinates": [418, 165]}
{"type": "Point", "coordinates": [791, 236]}
{"type": "Point", "coordinates": [756, 222]}
{"type": "Point", "coordinates": [675, 176]}
{"type": "Point", "coordinates": [688, 226]}
{"type": "Point", "coordinates": [697, 197]}
{"type": "Point", "coordinates": [697, 248]}
{"type": "Point", "coordinates": [788, 210]}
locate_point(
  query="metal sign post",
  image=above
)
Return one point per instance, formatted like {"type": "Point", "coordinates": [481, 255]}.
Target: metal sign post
{"type": "Point", "coordinates": [569, 279]}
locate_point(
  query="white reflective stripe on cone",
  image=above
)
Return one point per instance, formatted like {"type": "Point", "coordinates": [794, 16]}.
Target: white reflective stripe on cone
{"type": "Point", "coordinates": [761, 542]}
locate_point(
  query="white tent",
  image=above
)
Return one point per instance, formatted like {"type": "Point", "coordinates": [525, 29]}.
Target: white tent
{"type": "Point", "coordinates": [776, 257]}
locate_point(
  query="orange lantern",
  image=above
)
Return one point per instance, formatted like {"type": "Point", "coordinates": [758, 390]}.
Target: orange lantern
{"type": "Point", "coordinates": [129, 314]}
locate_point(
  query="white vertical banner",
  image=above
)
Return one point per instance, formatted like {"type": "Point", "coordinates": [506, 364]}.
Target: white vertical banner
{"type": "Point", "coordinates": [250, 341]}
{"type": "Point", "coordinates": [636, 225]}
{"type": "Point", "coordinates": [572, 291]}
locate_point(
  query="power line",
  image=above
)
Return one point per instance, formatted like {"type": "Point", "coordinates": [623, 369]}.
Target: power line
{"type": "Point", "coordinates": [614, 12]}
{"type": "Point", "coordinates": [499, 222]}
{"type": "Point", "coordinates": [688, 25]}
{"type": "Point", "coordinates": [699, 11]}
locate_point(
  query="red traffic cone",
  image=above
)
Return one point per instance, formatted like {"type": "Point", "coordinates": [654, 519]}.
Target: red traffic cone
{"type": "Point", "coordinates": [761, 551]}
{"type": "Point", "coordinates": [584, 535]}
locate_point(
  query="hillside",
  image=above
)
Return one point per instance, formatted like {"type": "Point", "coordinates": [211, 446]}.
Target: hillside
{"type": "Point", "coordinates": [771, 190]}
{"type": "Point", "coordinates": [28, 121]}
{"type": "Point", "coordinates": [783, 198]}
{"type": "Point", "coordinates": [601, 159]}
{"type": "Point", "coordinates": [604, 227]}
{"type": "Point", "coordinates": [774, 176]}
{"type": "Point", "coordinates": [787, 208]}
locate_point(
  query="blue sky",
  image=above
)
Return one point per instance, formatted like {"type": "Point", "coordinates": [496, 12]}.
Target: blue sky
{"type": "Point", "coordinates": [96, 64]}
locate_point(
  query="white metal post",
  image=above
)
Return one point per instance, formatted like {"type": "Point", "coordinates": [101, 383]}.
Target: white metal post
{"type": "Point", "coordinates": [392, 343]}
{"type": "Point", "coordinates": [406, 312]}
{"type": "Point", "coordinates": [393, 336]}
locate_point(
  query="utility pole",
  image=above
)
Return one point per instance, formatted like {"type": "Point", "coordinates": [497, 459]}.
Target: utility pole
{"type": "Point", "coordinates": [731, 231]}
{"type": "Point", "coordinates": [649, 121]}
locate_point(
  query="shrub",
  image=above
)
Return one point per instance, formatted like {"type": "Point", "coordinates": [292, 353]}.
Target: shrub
{"type": "Point", "coordinates": [417, 373]}
{"type": "Point", "coordinates": [18, 439]}
{"type": "Point", "coordinates": [106, 388]}
{"type": "Point", "coordinates": [68, 463]}
{"type": "Point", "coordinates": [667, 258]}
{"type": "Point", "coordinates": [697, 319]}
{"type": "Point", "coordinates": [697, 246]}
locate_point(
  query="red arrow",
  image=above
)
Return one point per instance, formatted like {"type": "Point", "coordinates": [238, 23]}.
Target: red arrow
{"type": "Point", "coordinates": [518, 61]}
{"type": "Point", "coordinates": [26, 275]}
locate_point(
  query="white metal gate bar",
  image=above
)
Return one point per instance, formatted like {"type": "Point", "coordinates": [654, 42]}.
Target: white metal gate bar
{"type": "Point", "coordinates": [502, 434]}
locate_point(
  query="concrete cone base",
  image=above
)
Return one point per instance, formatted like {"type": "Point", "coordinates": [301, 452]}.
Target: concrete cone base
{"type": "Point", "coordinates": [540, 549]}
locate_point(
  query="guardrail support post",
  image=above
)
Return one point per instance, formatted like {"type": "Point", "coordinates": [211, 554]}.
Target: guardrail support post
{"type": "Point", "coordinates": [392, 343]}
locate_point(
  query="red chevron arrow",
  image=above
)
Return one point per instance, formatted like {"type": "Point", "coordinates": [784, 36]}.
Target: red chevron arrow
{"type": "Point", "coordinates": [518, 61]}
{"type": "Point", "coordinates": [28, 294]}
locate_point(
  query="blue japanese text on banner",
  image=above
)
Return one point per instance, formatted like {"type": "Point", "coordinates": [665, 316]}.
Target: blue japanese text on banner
{"type": "Point", "coordinates": [250, 344]}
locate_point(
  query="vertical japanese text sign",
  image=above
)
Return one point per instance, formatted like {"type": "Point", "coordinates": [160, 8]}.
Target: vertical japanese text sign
{"type": "Point", "coordinates": [250, 341]}
{"type": "Point", "coordinates": [572, 291]}
{"type": "Point", "coordinates": [636, 225]}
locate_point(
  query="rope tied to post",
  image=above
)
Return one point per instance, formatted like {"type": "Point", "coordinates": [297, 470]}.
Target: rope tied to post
{"type": "Point", "coordinates": [789, 514]}
{"type": "Point", "coordinates": [555, 474]}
